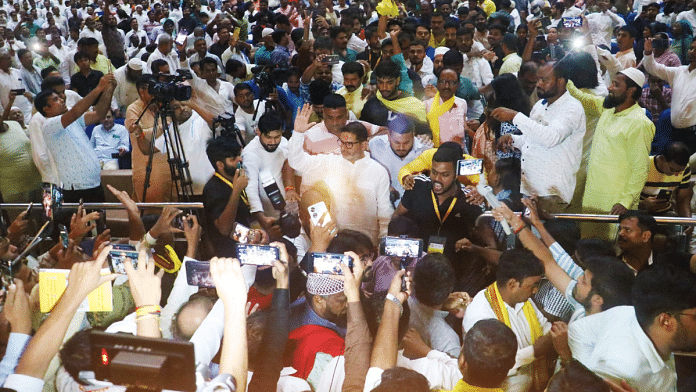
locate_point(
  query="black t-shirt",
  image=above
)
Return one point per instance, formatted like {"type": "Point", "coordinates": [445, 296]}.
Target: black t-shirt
{"type": "Point", "coordinates": [84, 84]}
{"type": "Point", "coordinates": [459, 223]}
{"type": "Point", "coordinates": [216, 195]}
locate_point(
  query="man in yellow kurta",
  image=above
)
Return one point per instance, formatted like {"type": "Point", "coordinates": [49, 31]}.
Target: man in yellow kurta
{"type": "Point", "coordinates": [619, 160]}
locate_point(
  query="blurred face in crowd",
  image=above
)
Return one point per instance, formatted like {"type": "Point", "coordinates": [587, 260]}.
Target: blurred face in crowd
{"type": "Point", "coordinates": [437, 24]}
{"type": "Point", "coordinates": [426, 8]}
{"type": "Point", "coordinates": [465, 42]}
{"type": "Point", "coordinates": [529, 82]}
{"type": "Point", "coordinates": [437, 62]}
{"type": "Point", "coordinates": [548, 85]}
{"type": "Point", "coordinates": [341, 41]}
{"type": "Point", "coordinates": [351, 148]}
{"type": "Point", "coordinates": [352, 82]}
{"type": "Point", "coordinates": [387, 51]}
{"type": "Point", "coordinates": [108, 121]}
{"type": "Point", "coordinates": [552, 36]}
{"type": "Point", "coordinates": [617, 92]}
{"type": "Point", "coordinates": [27, 60]}
{"type": "Point", "coordinates": [416, 54]}
{"type": "Point", "coordinates": [182, 111]}
{"type": "Point", "coordinates": [423, 34]}
{"type": "Point", "coordinates": [401, 143]}
{"type": "Point", "coordinates": [495, 37]}
{"type": "Point", "coordinates": [333, 308]}
{"type": "Point", "coordinates": [294, 84]}
{"type": "Point", "coordinates": [324, 73]}
{"type": "Point", "coordinates": [523, 291]}
{"type": "Point", "coordinates": [245, 99]}
{"type": "Point", "coordinates": [443, 177]}
{"type": "Point", "coordinates": [631, 235]}
{"type": "Point", "coordinates": [200, 47]}
{"type": "Point", "coordinates": [17, 115]}
{"type": "Point", "coordinates": [271, 140]}
{"type": "Point", "coordinates": [481, 23]}
{"type": "Point", "coordinates": [451, 37]}
{"type": "Point", "coordinates": [388, 87]}
{"type": "Point", "coordinates": [624, 40]}
{"type": "Point", "coordinates": [55, 106]}
{"type": "Point", "coordinates": [335, 119]}
{"type": "Point", "coordinates": [447, 84]}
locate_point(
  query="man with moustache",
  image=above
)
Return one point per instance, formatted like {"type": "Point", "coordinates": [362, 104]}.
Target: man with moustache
{"type": "Point", "coordinates": [395, 150]}
{"type": "Point", "coordinates": [620, 157]}
{"type": "Point", "coordinates": [265, 158]}
{"type": "Point", "coordinates": [438, 204]}
{"type": "Point", "coordinates": [353, 73]}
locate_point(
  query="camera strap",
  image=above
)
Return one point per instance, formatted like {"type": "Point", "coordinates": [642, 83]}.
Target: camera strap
{"type": "Point", "coordinates": [243, 195]}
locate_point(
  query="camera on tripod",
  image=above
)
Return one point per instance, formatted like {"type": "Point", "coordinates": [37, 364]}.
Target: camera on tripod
{"type": "Point", "coordinates": [173, 88]}
{"type": "Point", "coordinates": [289, 220]}
{"type": "Point", "coordinates": [267, 78]}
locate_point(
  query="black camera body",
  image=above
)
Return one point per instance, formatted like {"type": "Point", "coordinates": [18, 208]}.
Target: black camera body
{"type": "Point", "coordinates": [173, 89]}
{"type": "Point", "coordinates": [267, 79]}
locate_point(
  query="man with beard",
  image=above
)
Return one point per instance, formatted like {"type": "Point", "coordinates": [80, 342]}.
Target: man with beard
{"type": "Point", "coordinates": [114, 40]}
{"type": "Point", "coordinates": [637, 230]}
{"type": "Point", "coordinates": [551, 141]}
{"type": "Point", "coordinates": [265, 158]}
{"type": "Point", "coordinates": [126, 92]}
{"type": "Point", "coordinates": [395, 150]}
{"type": "Point", "coordinates": [637, 343]}
{"type": "Point", "coordinates": [495, 40]}
{"type": "Point", "coordinates": [438, 205]}
{"type": "Point", "coordinates": [353, 73]}
{"type": "Point", "coordinates": [419, 63]}
{"type": "Point", "coordinates": [225, 201]}
{"type": "Point", "coordinates": [620, 157]}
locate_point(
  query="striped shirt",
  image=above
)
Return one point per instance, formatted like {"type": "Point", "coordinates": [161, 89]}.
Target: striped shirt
{"type": "Point", "coordinates": [662, 185]}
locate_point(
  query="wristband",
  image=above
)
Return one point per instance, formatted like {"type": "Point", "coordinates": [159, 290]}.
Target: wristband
{"type": "Point", "coordinates": [398, 303]}
{"type": "Point", "coordinates": [520, 228]}
{"type": "Point", "coordinates": [289, 188]}
{"type": "Point", "coordinates": [148, 310]}
{"type": "Point", "coordinates": [150, 239]}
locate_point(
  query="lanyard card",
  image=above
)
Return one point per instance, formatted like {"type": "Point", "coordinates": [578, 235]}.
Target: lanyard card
{"type": "Point", "coordinates": [436, 244]}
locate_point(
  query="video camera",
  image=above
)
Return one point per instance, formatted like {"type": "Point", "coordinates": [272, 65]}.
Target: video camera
{"type": "Point", "coordinates": [267, 78]}
{"type": "Point", "coordinates": [173, 88]}
{"type": "Point", "coordinates": [225, 123]}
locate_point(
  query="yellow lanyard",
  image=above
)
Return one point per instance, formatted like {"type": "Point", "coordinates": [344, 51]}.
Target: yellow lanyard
{"type": "Point", "coordinates": [226, 181]}
{"type": "Point", "coordinates": [437, 208]}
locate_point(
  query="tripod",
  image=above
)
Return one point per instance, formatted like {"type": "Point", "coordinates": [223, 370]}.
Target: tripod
{"type": "Point", "coordinates": [176, 157]}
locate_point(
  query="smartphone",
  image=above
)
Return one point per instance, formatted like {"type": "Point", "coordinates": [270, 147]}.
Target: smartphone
{"type": "Point", "coordinates": [240, 233]}
{"type": "Point", "coordinates": [545, 22]}
{"type": "Point", "coordinates": [198, 273]}
{"type": "Point", "coordinates": [402, 247]}
{"type": "Point", "coordinates": [469, 167]}
{"type": "Point", "coordinates": [118, 255]}
{"type": "Point", "coordinates": [330, 59]}
{"type": "Point", "coordinates": [541, 38]}
{"type": "Point", "coordinates": [236, 32]}
{"type": "Point", "coordinates": [52, 199]}
{"type": "Point", "coordinates": [572, 22]}
{"type": "Point", "coordinates": [180, 220]}
{"type": "Point", "coordinates": [257, 254]}
{"type": "Point", "coordinates": [328, 263]}
{"type": "Point", "coordinates": [181, 37]}
{"type": "Point", "coordinates": [18, 91]}
{"type": "Point", "coordinates": [63, 236]}
{"type": "Point", "coordinates": [315, 213]}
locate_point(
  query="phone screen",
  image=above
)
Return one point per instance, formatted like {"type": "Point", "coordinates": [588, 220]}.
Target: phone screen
{"type": "Point", "coordinates": [198, 273]}
{"type": "Point", "coordinates": [403, 247]}
{"type": "Point", "coordinates": [328, 263]}
{"type": "Point", "coordinates": [257, 254]}
{"type": "Point", "coordinates": [118, 255]}
{"type": "Point", "coordinates": [469, 167]}
{"type": "Point", "coordinates": [240, 233]}
{"type": "Point", "coordinates": [181, 37]}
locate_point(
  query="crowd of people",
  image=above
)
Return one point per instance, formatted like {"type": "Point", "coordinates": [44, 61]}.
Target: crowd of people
{"type": "Point", "coordinates": [320, 134]}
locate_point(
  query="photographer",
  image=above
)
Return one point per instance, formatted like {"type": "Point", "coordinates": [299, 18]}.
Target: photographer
{"type": "Point", "coordinates": [267, 152]}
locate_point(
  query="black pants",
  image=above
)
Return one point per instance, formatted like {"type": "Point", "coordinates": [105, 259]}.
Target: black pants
{"type": "Point", "coordinates": [93, 195]}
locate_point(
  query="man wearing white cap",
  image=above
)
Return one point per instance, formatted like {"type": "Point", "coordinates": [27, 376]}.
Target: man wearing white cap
{"type": "Point", "coordinates": [619, 159]}
{"type": "Point", "coordinates": [262, 56]}
{"type": "Point", "coordinates": [126, 92]}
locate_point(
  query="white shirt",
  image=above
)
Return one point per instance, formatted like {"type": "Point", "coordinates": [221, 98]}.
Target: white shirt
{"type": "Point", "coordinates": [256, 160]}
{"type": "Point", "coordinates": [170, 58]}
{"type": "Point", "coordinates": [194, 134]}
{"type": "Point", "coordinates": [480, 309]}
{"type": "Point", "coordinates": [426, 72]}
{"type": "Point", "coordinates": [60, 53]}
{"type": "Point", "coordinates": [381, 151]}
{"type": "Point", "coordinates": [602, 25]}
{"type": "Point", "coordinates": [10, 81]}
{"type": "Point", "coordinates": [360, 190]}
{"type": "Point", "coordinates": [108, 142]}
{"type": "Point", "coordinates": [551, 146]}
{"type": "Point", "coordinates": [613, 344]}
{"type": "Point", "coordinates": [140, 33]}
{"type": "Point", "coordinates": [246, 121]}
{"type": "Point", "coordinates": [683, 85]}
{"type": "Point", "coordinates": [356, 44]}
{"type": "Point", "coordinates": [125, 93]}
{"type": "Point", "coordinates": [76, 162]}
{"type": "Point", "coordinates": [96, 34]}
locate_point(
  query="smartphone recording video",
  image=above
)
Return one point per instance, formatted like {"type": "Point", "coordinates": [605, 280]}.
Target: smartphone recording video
{"type": "Point", "coordinates": [118, 255]}
{"type": "Point", "coordinates": [328, 263]}
{"type": "Point", "coordinates": [469, 167]}
{"type": "Point", "coordinates": [402, 247]}
{"type": "Point", "coordinates": [181, 37]}
{"type": "Point", "coordinates": [257, 254]}
{"type": "Point", "coordinates": [198, 274]}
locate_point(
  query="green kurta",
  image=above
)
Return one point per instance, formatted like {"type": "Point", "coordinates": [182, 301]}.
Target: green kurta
{"type": "Point", "coordinates": [619, 160]}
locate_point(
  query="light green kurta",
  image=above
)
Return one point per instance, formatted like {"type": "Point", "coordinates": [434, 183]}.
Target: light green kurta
{"type": "Point", "coordinates": [619, 159]}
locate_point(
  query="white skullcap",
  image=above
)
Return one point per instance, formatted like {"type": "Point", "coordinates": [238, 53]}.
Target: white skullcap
{"type": "Point", "coordinates": [441, 50]}
{"type": "Point", "coordinates": [320, 284]}
{"type": "Point", "coordinates": [135, 64]}
{"type": "Point", "coordinates": [635, 75]}
{"type": "Point", "coordinates": [266, 32]}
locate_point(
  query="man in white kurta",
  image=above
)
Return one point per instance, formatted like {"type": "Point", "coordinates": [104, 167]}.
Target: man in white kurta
{"type": "Point", "coordinates": [359, 186]}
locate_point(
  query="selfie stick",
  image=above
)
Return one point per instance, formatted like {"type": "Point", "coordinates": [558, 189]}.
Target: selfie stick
{"type": "Point", "coordinates": [486, 191]}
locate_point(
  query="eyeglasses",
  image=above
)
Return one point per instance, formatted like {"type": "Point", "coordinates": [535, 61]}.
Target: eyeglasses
{"type": "Point", "coordinates": [448, 82]}
{"type": "Point", "coordinates": [347, 144]}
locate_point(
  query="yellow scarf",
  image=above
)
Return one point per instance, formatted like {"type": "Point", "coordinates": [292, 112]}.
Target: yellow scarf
{"type": "Point", "coordinates": [387, 8]}
{"type": "Point", "coordinates": [498, 306]}
{"type": "Point", "coordinates": [410, 106]}
{"type": "Point", "coordinates": [462, 386]}
{"type": "Point", "coordinates": [437, 110]}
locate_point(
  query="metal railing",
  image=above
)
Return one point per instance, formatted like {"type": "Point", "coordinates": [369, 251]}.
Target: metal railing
{"type": "Point", "coordinates": [107, 206]}
{"type": "Point", "coordinates": [668, 220]}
